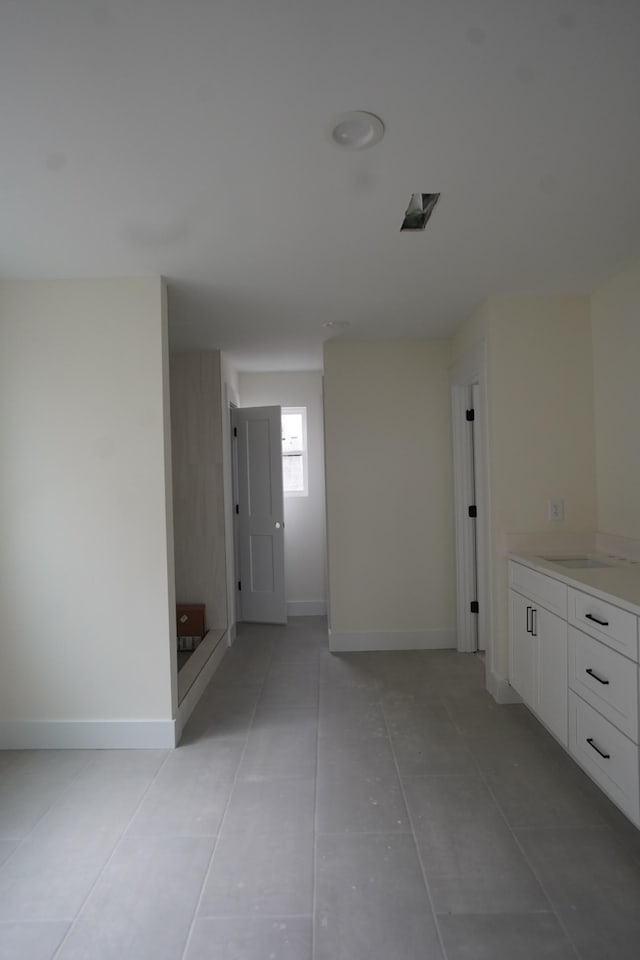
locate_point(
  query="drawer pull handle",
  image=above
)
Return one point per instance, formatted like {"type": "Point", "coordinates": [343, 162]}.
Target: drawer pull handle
{"type": "Point", "coordinates": [596, 677]}
{"type": "Point", "coordinates": [529, 609]}
{"type": "Point", "coordinates": [605, 756]}
{"type": "Point", "coordinates": [603, 623]}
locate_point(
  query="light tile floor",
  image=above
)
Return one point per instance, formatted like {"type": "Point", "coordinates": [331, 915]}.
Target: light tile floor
{"type": "Point", "coordinates": [361, 807]}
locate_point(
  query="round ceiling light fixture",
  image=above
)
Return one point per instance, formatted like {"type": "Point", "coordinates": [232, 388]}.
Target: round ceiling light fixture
{"type": "Point", "coordinates": [357, 130]}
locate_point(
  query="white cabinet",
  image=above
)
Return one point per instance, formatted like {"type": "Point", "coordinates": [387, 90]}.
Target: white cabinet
{"type": "Point", "coordinates": [522, 660]}
{"type": "Point", "coordinates": [540, 589]}
{"type": "Point", "coordinates": [610, 758]}
{"type": "Point", "coordinates": [552, 673]}
{"type": "Point", "coordinates": [606, 680]}
{"type": "Point", "coordinates": [538, 651]}
{"type": "Point", "coordinates": [574, 661]}
{"type": "Point", "coordinates": [615, 627]}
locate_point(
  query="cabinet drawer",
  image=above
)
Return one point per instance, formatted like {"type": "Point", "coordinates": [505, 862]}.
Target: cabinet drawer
{"type": "Point", "coordinates": [611, 625]}
{"type": "Point", "coordinates": [546, 591]}
{"type": "Point", "coordinates": [609, 757]}
{"type": "Point", "coordinates": [605, 679]}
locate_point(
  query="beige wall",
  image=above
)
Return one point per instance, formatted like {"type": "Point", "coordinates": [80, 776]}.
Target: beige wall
{"type": "Point", "coordinates": [305, 522]}
{"type": "Point", "coordinates": [616, 352]}
{"type": "Point", "coordinates": [474, 330]}
{"type": "Point", "coordinates": [541, 403]}
{"type": "Point", "coordinates": [230, 377]}
{"type": "Point", "coordinates": [85, 584]}
{"type": "Point", "coordinates": [389, 485]}
{"type": "Point", "coordinates": [541, 426]}
{"type": "Point", "coordinates": [198, 494]}
{"type": "Point", "coordinates": [541, 430]}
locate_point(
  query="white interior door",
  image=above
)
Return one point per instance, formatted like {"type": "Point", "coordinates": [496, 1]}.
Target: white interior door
{"type": "Point", "coordinates": [260, 514]}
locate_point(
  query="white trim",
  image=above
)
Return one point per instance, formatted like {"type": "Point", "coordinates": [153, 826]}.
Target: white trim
{"type": "Point", "coordinates": [501, 690]}
{"type": "Point", "coordinates": [306, 608]}
{"type": "Point", "coordinates": [303, 452]}
{"type": "Point", "coordinates": [87, 734]}
{"type": "Point", "coordinates": [232, 634]}
{"type": "Point", "coordinates": [199, 685]}
{"type": "Point", "coordinates": [196, 662]}
{"type": "Point", "coordinates": [230, 402]}
{"type": "Point", "coordinates": [416, 640]}
{"type": "Point", "coordinates": [462, 486]}
{"type": "Point", "coordinates": [472, 370]}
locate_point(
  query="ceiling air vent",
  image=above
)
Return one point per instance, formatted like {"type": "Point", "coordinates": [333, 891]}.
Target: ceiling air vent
{"type": "Point", "coordinates": [419, 210]}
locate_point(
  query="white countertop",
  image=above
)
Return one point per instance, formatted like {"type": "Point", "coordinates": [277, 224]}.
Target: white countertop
{"type": "Point", "coordinates": [618, 584]}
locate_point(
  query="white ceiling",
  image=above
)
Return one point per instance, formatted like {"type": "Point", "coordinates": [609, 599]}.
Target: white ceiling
{"type": "Point", "coordinates": [189, 138]}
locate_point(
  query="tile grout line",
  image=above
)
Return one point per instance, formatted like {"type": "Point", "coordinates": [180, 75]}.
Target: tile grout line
{"type": "Point", "coordinates": [207, 872]}
{"type": "Point", "coordinates": [414, 837]}
{"type": "Point", "coordinates": [484, 780]}
{"type": "Point", "coordinates": [29, 834]}
{"type": "Point", "coordinates": [117, 844]}
{"type": "Point", "coordinates": [533, 871]}
{"type": "Point", "coordinates": [366, 833]}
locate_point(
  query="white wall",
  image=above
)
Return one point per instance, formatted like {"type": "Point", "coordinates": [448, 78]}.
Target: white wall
{"type": "Point", "coordinates": [389, 493]}
{"type": "Point", "coordinates": [305, 520]}
{"type": "Point", "coordinates": [86, 593]}
{"type": "Point", "coordinates": [615, 310]}
{"type": "Point", "coordinates": [198, 494]}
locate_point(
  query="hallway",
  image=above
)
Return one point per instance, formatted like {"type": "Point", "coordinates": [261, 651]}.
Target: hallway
{"type": "Point", "coordinates": [362, 807]}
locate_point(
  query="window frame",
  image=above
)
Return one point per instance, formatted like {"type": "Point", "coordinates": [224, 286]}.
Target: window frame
{"type": "Point", "coordinates": [303, 452]}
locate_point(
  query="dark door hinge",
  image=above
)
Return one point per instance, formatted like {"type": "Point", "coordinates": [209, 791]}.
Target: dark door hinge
{"type": "Point", "coordinates": [237, 508]}
{"type": "Point", "coordinates": [239, 584]}
{"type": "Point", "coordinates": [475, 606]}
{"type": "Point", "coordinates": [235, 431]}
{"type": "Point", "coordinates": [470, 414]}
{"type": "Point", "coordinates": [473, 511]}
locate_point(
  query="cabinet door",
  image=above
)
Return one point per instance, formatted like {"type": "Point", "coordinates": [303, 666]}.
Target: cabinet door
{"type": "Point", "coordinates": [551, 701]}
{"type": "Point", "coordinates": [523, 646]}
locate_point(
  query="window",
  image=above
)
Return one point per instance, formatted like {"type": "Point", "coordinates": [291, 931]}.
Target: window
{"type": "Point", "coordinates": [294, 451]}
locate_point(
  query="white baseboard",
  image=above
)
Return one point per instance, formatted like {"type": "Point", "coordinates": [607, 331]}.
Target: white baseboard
{"type": "Point", "coordinates": [192, 668]}
{"type": "Point", "coordinates": [232, 634]}
{"type": "Point", "coordinates": [197, 688]}
{"type": "Point", "coordinates": [307, 608]}
{"type": "Point", "coordinates": [419, 640]}
{"type": "Point", "coordinates": [501, 690]}
{"type": "Point", "coordinates": [87, 734]}
{"type": "Point", "coordinates": [111, 734]}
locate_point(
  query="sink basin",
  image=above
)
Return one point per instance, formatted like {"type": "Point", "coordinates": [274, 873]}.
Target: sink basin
{"type": "Point", "coordinates": [580, 563]}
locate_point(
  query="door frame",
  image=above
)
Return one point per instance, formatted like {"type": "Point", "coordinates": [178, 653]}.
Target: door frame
{"type": "Point", "coordinates": [237, 599]}
{"type": "Point", "coordinates": [230, 404]}
{"type": "Point", "coordinates": [470, 371]}
{"type": "Point", "coordinates": [251, 606]}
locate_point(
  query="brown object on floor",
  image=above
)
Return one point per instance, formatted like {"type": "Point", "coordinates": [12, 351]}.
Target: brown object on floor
{"type": "Point", "coordinates": [190, 619]}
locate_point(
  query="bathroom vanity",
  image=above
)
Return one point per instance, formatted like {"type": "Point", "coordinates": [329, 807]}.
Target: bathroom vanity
{"type": "Point", "coordinates": [573, 658]}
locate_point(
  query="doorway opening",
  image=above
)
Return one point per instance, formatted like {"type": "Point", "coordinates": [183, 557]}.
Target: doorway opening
{"type": "Point", "coordinates": [300, 456]}
{"type": "Point", "coordinates": [259, 514]}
